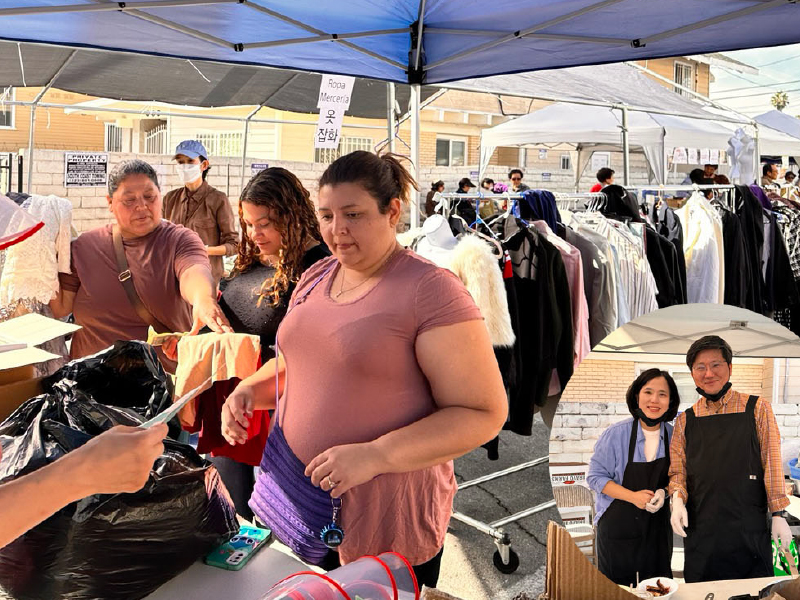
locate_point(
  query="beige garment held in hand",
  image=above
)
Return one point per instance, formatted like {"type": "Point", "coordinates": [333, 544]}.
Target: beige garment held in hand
{"type": "Point", "coordinates": [221, 356]}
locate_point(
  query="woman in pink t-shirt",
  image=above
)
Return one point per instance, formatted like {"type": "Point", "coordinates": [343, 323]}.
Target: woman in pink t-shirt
{"type": "Point", "coordinates": [387, 375]}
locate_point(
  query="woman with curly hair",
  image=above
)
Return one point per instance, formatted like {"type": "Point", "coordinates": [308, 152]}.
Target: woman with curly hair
{"type": "Point", "coordinates": [280, 240]}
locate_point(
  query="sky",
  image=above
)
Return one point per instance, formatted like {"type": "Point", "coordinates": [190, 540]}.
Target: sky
{"type": "Point", "coordinates": [779, 70]}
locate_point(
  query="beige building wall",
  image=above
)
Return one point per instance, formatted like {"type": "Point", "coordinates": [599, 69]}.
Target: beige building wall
{"type": "Point", "coordinates": [54, 128]}
{"type": "Point", "coordinates": [666, 68]}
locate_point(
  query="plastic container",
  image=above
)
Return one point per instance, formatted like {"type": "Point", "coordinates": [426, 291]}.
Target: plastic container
{"type": "Point", "coordinates": [385, 577]}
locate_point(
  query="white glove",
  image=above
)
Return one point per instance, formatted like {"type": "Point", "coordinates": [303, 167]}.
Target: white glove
{"type": "Point", "coordinates": [657, 502]}
{"type": "Point", "coordinates": [680, 518]}
{"type": "Point", "coordinates": [781, 533]}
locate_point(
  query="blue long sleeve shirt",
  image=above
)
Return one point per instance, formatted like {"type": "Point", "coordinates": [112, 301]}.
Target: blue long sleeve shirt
{"type": "Point", "coordinates": [611, 457]}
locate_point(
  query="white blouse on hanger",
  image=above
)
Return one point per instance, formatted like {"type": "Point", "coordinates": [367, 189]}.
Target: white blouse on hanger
{"type": "Point", "coordinates": [31, 267]}
{"type": "Point", "coordinates": [704, 251]}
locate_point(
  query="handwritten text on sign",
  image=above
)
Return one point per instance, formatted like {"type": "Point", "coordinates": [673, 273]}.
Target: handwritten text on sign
{"type": "Point", "coordinates": [335, 93]}
{"type": "Point", "coordinates": [85, 169]}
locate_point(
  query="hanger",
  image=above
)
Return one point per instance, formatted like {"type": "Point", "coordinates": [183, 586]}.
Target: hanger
{"type": "Point", "coordinates": [474, 231]}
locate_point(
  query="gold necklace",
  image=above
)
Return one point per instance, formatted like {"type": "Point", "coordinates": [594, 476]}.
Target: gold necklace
{"type": "Point", "coordinates": [359, 284]}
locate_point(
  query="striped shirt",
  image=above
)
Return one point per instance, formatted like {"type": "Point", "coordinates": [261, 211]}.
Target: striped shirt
{"type": "Point", "coordinates": [769, 438]}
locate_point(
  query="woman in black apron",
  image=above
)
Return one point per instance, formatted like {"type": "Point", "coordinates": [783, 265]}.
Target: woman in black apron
{"type": "Point", "coordinates": [629, 475]}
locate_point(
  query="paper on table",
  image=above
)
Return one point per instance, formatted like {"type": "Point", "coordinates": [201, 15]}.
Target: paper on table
{"type": "Point", "coordinates": [176, 406]}
{"type": "Point", "coordinates": [34, 329]}
{"type": "Point", "coordinates": [24, 357]}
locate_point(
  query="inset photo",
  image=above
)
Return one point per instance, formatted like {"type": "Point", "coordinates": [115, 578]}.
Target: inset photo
{"type": "Point", "coordinates": [674, 449]}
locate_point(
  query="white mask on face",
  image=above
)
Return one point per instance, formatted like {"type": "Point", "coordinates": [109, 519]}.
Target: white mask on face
{"type": "Point", "coordinates": [188, 173]}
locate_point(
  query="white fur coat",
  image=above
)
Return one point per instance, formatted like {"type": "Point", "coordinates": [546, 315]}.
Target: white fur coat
{"type": "Point", "coordinates": [476, 265]}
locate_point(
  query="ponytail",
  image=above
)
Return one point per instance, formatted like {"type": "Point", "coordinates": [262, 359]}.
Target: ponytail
{"type": "Point", "coordinates": [383, 177]}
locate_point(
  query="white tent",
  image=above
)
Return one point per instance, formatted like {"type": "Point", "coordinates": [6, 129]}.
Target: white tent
{"type": "Point", "coordinates": [672, 330]}
{"type": "Point", "coordinates": [593, 128]}
{"type": "Point", "coordinates": [781, 121]}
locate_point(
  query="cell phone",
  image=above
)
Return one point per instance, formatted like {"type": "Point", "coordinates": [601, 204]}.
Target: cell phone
{"type": "Point", "coordinates": [234, 554]}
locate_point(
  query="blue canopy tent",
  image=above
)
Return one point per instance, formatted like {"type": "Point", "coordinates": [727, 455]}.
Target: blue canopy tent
{"type": "Point", "coordinates": [420, 42]}
{"type": "Point", "coordinates": [424, 41]}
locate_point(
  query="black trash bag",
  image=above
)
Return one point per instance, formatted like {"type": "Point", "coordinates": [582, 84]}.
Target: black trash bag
{"type": "Point", "coordinates": [128, 374]}
{"type": "Point", "coordinates": [104, 547]}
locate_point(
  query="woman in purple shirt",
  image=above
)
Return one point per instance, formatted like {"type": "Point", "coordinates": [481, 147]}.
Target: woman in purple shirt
{"type": "Point", "coordinates": [629, 475]}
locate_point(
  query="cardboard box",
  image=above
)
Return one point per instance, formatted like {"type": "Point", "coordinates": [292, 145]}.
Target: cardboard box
{"type": "Point", "coordinates": [570, 473]}
{"type": "Point", "coordinates": [570, 575]}
{"type": "Point", "coordinates": [13, 395]}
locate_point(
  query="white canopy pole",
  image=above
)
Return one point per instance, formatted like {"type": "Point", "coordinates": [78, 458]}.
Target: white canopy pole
{"type": "Point", "coordinates": [415, 101]}
{"type": "Point", "coordinates": [34, 104]}
{"type": "Point", "coordinates": [626, 150]}
{"type": "Point", "coordinates": [390, 116]}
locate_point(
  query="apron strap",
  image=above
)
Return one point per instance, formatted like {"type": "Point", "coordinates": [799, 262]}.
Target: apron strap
{"type": "Point", "coordinates": [751, 405]}
{"type": "Point", "coordinates": [634, 437]}
{"type": "Point", "coordinates": [298, 299]}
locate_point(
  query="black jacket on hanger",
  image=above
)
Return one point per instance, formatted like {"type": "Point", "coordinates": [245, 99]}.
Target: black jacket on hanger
{"type": "Point", "coordinates": [749, 211]}
{"type": "Point", "coordinates": [737, 267]}
{"type": "Point", "coordinates": [668, 224]}
{"type": "Point", "coordinates": [654, 251]}
{"type": "Point", "coordinates": [539, 303]}
{"type": "Point", "coordinates": [782, 291]}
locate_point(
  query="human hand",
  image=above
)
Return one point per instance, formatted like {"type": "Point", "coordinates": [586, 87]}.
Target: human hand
{"type": "Point", "coordinates": [236, 414]}
{"type": "Point", "coordinates": [781, 534]}
{"type": "Point", "coordinates": [207, 312]}
{"type": "Point", "coordinates": [641, 498]}
{"type": "Point", "coordinates": [656, 502]}
{"type": "Point", "coordinates": [680, 518]}
{"type": "Point", "coordinates": [116, 461]}
{"type": "Point", "coordinates": [345, 467]}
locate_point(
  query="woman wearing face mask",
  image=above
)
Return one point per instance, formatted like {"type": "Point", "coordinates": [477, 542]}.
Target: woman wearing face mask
{"type": "Point", "coordinates": [200, 207]}
{"type": "Point", "coordinates": [629, 474]}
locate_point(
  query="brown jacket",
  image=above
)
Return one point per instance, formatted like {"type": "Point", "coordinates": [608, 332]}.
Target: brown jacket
{"type": "Point", "coordinates": [208, 213]}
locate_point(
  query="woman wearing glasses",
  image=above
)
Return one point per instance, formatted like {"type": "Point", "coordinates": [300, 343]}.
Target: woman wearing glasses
{"type": "Point", "coordinates": [629, 473]}
{"type": "Point", "coordinates": [167, 264]}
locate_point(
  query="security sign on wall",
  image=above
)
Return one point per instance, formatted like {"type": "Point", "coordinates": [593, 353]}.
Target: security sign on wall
{"type": "Point", "coordinates": [85, 169]}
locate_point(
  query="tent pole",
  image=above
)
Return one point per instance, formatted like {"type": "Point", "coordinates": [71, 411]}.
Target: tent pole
{"type": "Point", "coordinates": [626, 150]}
{"type": "Point", "coordinates": [390, 116]}
{"type": "Point", "coordinates": [415, 97]}
{"type": "Point", "coordinates": [34, 104]}
{"type": "Point", "coordinates": [757, 161]}
{"type": "Point", "coordinates": [578, 169]}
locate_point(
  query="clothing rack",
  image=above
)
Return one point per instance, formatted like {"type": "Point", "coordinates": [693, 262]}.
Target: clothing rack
{"type": "Point", "coordinates": [505, 559]}
{"type": "Point", "coordinates": [569, 201]}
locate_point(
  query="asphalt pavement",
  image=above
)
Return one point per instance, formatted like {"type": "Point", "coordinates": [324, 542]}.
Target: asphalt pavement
{"type": "Point", "coordinates": [468, 571]}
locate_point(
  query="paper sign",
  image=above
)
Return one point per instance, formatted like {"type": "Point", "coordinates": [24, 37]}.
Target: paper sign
{"type": "Point", "coordinates": [705, 156]}
{"type": "Point", "coordinates": [714, 157]}
{"type": "Point", "coordinates": [256, 168]}
{"type": "Point", "coordinates": [335, 91]}
{"type": "Point", "coordinates": [85, 169]}
{"type": "Point", "coordinates": [542, 154]}
{"type": "Point", "coordinates": [24, 357]}
{"type": "Point", "coordinates": [692, 156]}
{"type": "Point", "coordinates": [329, 128]}
{"type": "Point", "coordinates": [174, 409]}
{"type": "Point", "coordinates": [679, 156]}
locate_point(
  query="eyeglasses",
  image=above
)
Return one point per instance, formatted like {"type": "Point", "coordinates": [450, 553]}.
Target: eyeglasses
{"type": "Point", "coordinates": [703, 369]}
{"type": "Point", "coordinates": [516, 179]}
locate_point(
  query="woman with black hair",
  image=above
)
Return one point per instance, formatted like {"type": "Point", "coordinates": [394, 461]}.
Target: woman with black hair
{"type": "Point", "coordinates": [629, 474]}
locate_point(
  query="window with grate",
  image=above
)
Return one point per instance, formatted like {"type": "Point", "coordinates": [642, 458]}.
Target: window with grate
{"type": "Point", "coordinates": [113, 138]}
{"type": "Point", "coordinates": [684, 76]}
{"type": "Point", "coordinates": [221, 143]}
{"type": "Point", "coordinates": [346, 146]}
{"type": "Point", "coordinates": [6, 110]}
{"type": "Point", "coordinates": [566, 162]}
